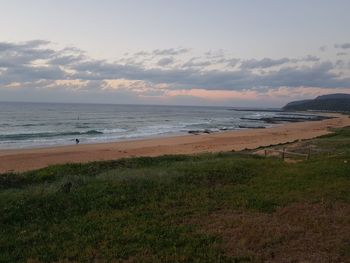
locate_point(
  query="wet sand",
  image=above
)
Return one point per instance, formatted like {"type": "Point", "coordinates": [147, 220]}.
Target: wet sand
{"type": "Point", "coordinates": [29, 159]}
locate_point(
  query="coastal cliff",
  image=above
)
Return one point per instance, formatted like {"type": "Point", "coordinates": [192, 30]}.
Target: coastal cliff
{"type": "Point", "coordinates": [333, 102]}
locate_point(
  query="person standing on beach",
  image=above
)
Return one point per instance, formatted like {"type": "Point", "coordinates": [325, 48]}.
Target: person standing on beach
{"type": "Point", "coordinates": [77, 141]}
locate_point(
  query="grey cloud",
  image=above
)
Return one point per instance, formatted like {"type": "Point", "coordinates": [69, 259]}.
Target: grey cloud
{"type": "Point", "coordinates": [342, 46]}
{"type": "Point", "coordinates": [170, 51]}
{"type": "Point", "coordinates": [323, 48]}
{"type": "Point", "coordinates": [193, 62]}
{"type": "Point", "coordinates": [16, 66]}
{"type": "Point", "coordinates": [310, 58]}
{"type": "Point", "coordinates": [232, 61]}
{"type": "Point", "coordinates": [342, 54]}
{"type": "Point", "coordinates": [61, 94]}
{"type": "Point", "coordinates": [340, 63]}
{"type": "Point", "coordinates": [215, 54]}
{"type": "Point", "coordinates": [268, 62]}
{"type": "Point", "coordinates": [64, 60]}
{"type": "Point", "coordinates": [165, 61]}
{"type": "Point", "coordinates": [32, 74]}
{"type": "Point", "coordinates": [162, 52]}
{"type": "Point", "coordinates": [7, 46]}
{"type": "Point", "coordinates": [319, 75]}
{"type": "Point", "coordinates": [263, 63]}
{"type": "Point", "coordinates": [12, 55]}
{"type": "Point", "coordinates": [199, 62]}
{"type": "Point", "coordinates": [36, 43]}
{"type": "Point", "coordinates": [141, 53]}
{"type": "Point", "coordinates": [18, 62]}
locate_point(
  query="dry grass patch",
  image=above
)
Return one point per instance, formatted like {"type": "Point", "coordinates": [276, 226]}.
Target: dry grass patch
{"type": "Point", "coordinates": [297, 233]}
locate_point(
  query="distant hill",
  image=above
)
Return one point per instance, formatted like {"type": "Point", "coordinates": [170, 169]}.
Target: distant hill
{"type": "Point", "coordinates": [338, 102]}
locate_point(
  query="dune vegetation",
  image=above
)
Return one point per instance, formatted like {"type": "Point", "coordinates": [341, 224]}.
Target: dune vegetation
{"type": "Point", "coordinates": [223, 207]}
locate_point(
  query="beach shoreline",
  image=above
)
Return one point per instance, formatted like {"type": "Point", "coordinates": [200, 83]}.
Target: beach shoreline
{"type": "Point", "coordinates": [20, 160]}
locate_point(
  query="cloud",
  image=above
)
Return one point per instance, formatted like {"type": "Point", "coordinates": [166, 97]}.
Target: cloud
{"type": "Point", "coordinates": [141, 53]}
{"type": "Point", "coordinates": [14, 55]}
{"type": "Point", "coordinates": [193, 63]}
{"type": "Point", "coordinates": [342, 46]}
{"type": "Point", "coordinates": [323, 48]}
{"type": "Point", "coordinates": [310, 58]}
{"type": "Point", "coordinates": [7, 46]}
{"type": "Point", "coordinates": [200, 62]}
{"type": "Point", "coordinates": [268, 62]}
{"type": "Point", "coordinates": [318, 75]}
{"type": "Point", "coordinates": [342, 54]}
{"type": "Point", "coordinates": [170, 51]}
{"type": "Point", "coordinates": [161, 52]}
{"type": "Point", "coordinates": [263, 63]}
{"type": "Point", "coordinates": [33, 65]}
{"type": "Point", "coordinates": [165, 61]}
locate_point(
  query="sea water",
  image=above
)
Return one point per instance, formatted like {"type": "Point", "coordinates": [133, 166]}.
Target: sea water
{"type": "Point", "coordinates": [27, 125]}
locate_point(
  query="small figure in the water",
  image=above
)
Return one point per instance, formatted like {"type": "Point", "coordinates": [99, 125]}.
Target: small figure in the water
{"type": "Point", "coordinates": [77, 141]}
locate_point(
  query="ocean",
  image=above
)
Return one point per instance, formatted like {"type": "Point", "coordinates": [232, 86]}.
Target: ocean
{"type": "Point", "coordinates": [29, 125]}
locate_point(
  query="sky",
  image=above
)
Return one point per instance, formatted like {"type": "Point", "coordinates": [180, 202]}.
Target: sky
{"type": "Point", "coordinates": [253, 53]}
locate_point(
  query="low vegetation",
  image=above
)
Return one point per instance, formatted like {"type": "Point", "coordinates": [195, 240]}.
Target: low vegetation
{"type": "Point", "coordinates": [225, 207]}
{"type": "Point", "coordinates": [337, 102]}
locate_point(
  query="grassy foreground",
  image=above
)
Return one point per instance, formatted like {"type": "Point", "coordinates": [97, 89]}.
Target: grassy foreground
{"type": "Point", "coordinates": [227, 207]}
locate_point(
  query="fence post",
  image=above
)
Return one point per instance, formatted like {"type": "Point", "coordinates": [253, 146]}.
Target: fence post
{"type": "Point", "coordinates": [265, 152]}
{"type": "Point", "coordinates": [308, 154]}
{"type": "Point", "coordinates": [284, 149]}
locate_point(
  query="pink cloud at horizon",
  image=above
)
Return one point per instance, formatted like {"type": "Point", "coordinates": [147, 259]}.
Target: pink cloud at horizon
{"type": "Point", "coordinates": [282, 94]}
{"type": "Point", "coordinates": [213, 95]}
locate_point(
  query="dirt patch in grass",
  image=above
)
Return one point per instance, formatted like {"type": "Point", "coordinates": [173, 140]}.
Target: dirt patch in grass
{"type": "Point", "coordinates": [297, 233]}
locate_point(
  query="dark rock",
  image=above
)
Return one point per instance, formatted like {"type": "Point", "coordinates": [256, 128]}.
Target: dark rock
{"type": "Point", "coordinates": [194, 132]}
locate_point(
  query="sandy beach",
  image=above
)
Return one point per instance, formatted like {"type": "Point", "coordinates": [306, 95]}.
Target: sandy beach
{"type": "Point", "coordinates": [29, 159]}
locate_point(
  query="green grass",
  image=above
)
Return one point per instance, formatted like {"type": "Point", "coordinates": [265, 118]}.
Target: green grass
{"type": "Point", "coordinates": [145, 209]}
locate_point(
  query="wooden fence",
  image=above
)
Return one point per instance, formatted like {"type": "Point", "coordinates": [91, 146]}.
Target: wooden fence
{"type": "Point", "coordinates": [284, 153]}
